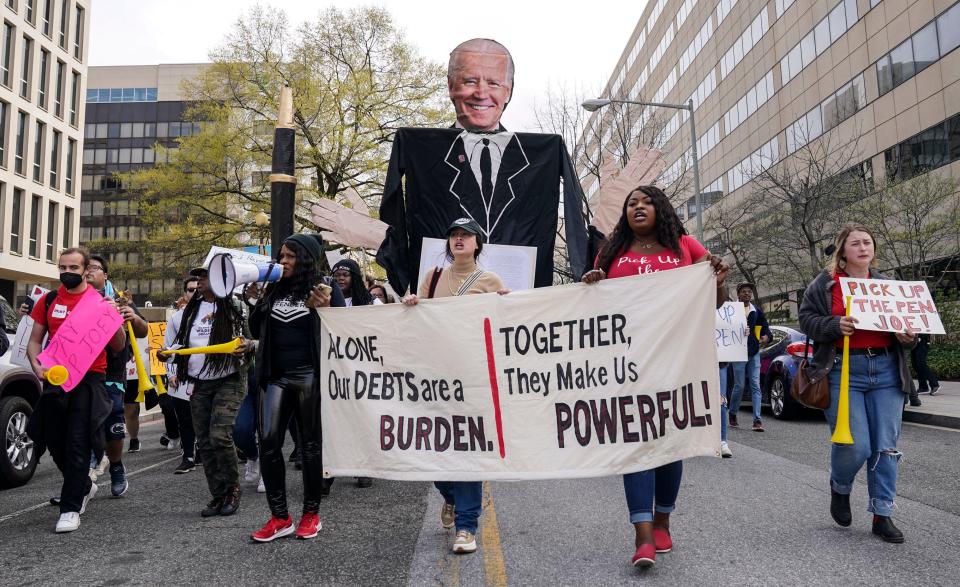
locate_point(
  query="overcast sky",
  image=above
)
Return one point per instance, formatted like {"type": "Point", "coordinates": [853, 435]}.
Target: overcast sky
{"type": "Point", "coordinates": [551, 42]}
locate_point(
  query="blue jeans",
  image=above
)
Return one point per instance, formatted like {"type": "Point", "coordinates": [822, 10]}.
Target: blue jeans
{"type": "Point", "coordinates": [740, 372]}
{"type": "Point", "coordinates": [876, 408]}
{"type": "Point", "coordinates": [723, 402]}
{"type": "Point", "coordinates": [467, 499]}
{"type": "Point", "coordinates": [245, 427]}
{"type": "Point", "coordinates": [662, 483]}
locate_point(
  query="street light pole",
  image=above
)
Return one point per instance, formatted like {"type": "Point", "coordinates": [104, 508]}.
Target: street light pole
{"type": "Point", "coordinates": [595, 104]}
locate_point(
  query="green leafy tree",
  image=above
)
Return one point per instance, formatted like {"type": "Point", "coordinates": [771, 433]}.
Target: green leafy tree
{"type": "Point", "coordinates": [355, 79]}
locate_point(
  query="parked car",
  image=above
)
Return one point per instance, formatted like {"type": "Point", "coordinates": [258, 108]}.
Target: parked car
{"type": "Point", "coordinates": [19, 391]}
{"type": "Point", "coordinates": [779, 360]}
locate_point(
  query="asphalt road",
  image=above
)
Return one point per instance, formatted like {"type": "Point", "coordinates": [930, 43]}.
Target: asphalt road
{"type": "Point", "coordinates": [759, 518]}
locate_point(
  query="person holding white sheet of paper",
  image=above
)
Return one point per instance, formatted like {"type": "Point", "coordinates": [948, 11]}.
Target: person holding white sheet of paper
{"type": "Point", "coordinates": [879, 382]}
{"type": "Point", "coordinates": [462, 500]}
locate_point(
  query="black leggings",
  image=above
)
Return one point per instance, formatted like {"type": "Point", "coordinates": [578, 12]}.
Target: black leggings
{"type": "Point", "coordinates": [291, 395]}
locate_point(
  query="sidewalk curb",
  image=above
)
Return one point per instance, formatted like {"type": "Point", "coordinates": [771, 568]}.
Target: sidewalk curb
{"type": "Point", "coordinates": [932, 419]}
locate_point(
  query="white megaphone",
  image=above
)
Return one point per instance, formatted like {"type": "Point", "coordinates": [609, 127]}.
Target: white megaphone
{"type": "Point", "coordinates": [226, 274]}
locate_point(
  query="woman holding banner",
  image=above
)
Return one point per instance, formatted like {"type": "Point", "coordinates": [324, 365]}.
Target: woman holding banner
{"type": "Point", "coordinates": [649, 237]}
{"type": "Point", "coordinates": [288, 358]}
{"type": "Point", "coordinates": [879, 380]}
{"type": "Point", "coordinates": [462, 500]}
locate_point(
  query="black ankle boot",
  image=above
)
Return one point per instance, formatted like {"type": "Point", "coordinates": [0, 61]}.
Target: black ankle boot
{"type": "Point", "coordinates": [884, 528]}
{"type": "Point", "coordinates": [840, 508]}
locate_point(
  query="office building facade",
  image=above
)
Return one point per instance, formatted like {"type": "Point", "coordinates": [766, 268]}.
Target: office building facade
{"type": "Point", "coordinates": [130, 111]}
{"type": "Point", "coordinates": [768, 77]}
{"type": "Point", "coordinates": [43, 79]}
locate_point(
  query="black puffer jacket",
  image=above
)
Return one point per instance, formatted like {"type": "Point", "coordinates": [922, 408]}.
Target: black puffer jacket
{"type": "Point", "coordinates": [823, 327]}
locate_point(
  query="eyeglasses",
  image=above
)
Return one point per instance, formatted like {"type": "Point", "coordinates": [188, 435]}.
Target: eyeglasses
{"type": "Point", "coordinates": [94, 268]}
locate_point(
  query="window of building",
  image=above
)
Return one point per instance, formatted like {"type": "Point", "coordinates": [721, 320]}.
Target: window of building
{"type": "Point", "coordinates": [782, 6]}
{"type": "Point", "coordinates": [74, 97]}
{"type": "Point", "coordinates": [709, 140]}
{"type": "Point", "coordinates": [36, 208]}
{"type": "Point", "coordinates": [747, 40]}
{"type": "Point", "coordinates": [16, 221]}
{"type": "Point", "coordinates": [51, 230]}
{"type": "Point", "coordinates": [78, 33]}
{"type": "Point", "coordinates": [824, 33]}
{"type": "Point", "coordinates": [100, 157]}
{"type": "Point", "coordinates": [695, 46]}
{"type": "Point", "coordinates": [30, 15]}
{"type": "Point", "coordinates": [934, 147]}
{"type": "Point", "coordinates": [38, 152]}
{"type": "Point", "coordinates": [55, 160]}
{"type": "Point", "coordinates": [948, 29]}
{"type": "Point", "coordinates": [6, 54]}
{"type": "Point", "coordinates": [71, 163]}
{"type": "Point", "coordinates": [823, 117]}
{"type": "Point", "coordinates": [21, 141]}
{"type": "Point", "coordinates": [45, 16]}
{"type": "Point", "coordinates": [42, 82]}
{"type": "Point", "coordinates": [26, 66]}
{"type": "Point", "coordinates": [4, 113]}
{"type": "Point", "coordinates": [916, 53]}
{"type": "Point", "coordinates": [95, 95]}
{"type": "Point", "coordinates": [723, 9]}
{"type": "Point", "coordinates": [67, 227]}
{"type": "Point", "coordinates": [755, 97]}
{"type": "Point", "coordinates": [64, 23]}
{"type": "Point", "coordinates": [58, 89]}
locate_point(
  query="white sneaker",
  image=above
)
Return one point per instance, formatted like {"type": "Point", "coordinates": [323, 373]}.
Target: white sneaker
{"type": "Point", "coordinates": [261, 488]}
{"type": "Point", "coordinates": [173, 444]}
{"type": "Point", "coordinates": [465, 543]}
{"type": "Point", "coordinates": [251, 471]}
{"type": "Point", "coordinates": [725, 451]}
{"type": "Point", "coordinates": [68, 522]}
{"type": "Point", "coordinates": [88, 497]}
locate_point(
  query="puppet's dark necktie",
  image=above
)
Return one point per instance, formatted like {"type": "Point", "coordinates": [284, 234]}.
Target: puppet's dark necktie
{"type": "Point", "coordinates": [486, 171]}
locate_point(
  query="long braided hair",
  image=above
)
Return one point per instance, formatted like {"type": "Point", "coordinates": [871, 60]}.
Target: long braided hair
{"type": "Point", "coordinates": [227, 325]}
{"type": "Point", "coordinates": [669, 228]}
{"type": "Point", "coordinates": [359, 294]}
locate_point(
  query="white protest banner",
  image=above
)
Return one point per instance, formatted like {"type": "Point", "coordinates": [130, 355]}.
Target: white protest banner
{"type": "Point", "coordinates": [892, 306]}
{"type": "Point", "coordinates": [18, 350]}
{"type": "Point", "coordinates": [237, 255]}
{"type": "Point", "coordinates": [731, 333]}
{"type": "Point", "coordinates": [515, 265]}
{"type": "Point", "coordinates": [559, 382]}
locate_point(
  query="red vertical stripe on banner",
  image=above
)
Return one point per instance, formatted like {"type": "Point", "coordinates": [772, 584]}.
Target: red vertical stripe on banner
{"type": "Point", "coordinates": [494, 389]}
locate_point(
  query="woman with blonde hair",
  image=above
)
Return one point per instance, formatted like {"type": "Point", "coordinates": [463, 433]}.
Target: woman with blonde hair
{"type": "Point", "coordinates": [879, 381]}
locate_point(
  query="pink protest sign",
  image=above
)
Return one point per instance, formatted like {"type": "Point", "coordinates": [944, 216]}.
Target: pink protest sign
{"type": "Point", "coordinates": [88, 328]}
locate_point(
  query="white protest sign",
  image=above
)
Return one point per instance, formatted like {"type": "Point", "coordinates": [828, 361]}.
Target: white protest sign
{"type": "Point", "coordinates": [183, 390]}
{"type": "Point", "coordinates": [731, 333]}
{"type": "Point", "coordinates": [892, 306]}
{"type": "Point", "coordinates": [515, 265]}
{"type": "Point", "coordinates": [142, 344]}
{"type": "Point", "coordinates": [237, 255]}
{"type": "Point", "coordinates": [558, 382]}
{"type": "Point", "coordinates": [18, 350]}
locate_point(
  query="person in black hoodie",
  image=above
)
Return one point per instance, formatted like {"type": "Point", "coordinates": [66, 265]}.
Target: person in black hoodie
{"type": "Point", "coordinates": [288, 359]}
{"type": "Point", "coordinates": [749, 373]}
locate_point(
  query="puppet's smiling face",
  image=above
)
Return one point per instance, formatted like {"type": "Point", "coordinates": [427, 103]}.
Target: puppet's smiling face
{"type": "Point", "coordinates": [479, 89]}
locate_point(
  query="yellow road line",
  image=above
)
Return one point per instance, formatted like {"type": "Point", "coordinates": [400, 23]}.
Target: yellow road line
{"type": "Point", "coordinates": [494, 568]}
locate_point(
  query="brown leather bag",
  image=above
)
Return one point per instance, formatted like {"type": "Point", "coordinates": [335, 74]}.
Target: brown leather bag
{"type": "Point", "coordinates": [811, 394]}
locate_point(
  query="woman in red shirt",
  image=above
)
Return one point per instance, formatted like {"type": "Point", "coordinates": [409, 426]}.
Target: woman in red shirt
{"type": "Point", "coordinates": [648, 238]}
{"type": "Point", "coordinates": [879, 380]}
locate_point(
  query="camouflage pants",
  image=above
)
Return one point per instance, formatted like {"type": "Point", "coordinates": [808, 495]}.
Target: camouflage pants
{"type": "Point", "coordinates": [214, 405]}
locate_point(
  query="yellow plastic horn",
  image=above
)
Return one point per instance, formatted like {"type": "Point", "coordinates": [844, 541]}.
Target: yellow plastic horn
{"type": "Point", "coordinates": [217, 349]}
{"type": "Point", "coordinates": [57, 375]}
{"type": "Point", "coordinates": [841, 430]}
{"type": "Point", "coordinates": [160, 387]}
{"type": "Point", "coordinates": [143, 380]}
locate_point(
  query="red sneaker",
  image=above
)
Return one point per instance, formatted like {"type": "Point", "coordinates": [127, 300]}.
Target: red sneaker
{"type": "Point", "coordinates": [275, 528]}
{"type": "Point", "coordinates": [309, 525]}
{"type": "Point", "coordinates": [662, 540]}
{"type": "Point", "coordinates": [645, 556]}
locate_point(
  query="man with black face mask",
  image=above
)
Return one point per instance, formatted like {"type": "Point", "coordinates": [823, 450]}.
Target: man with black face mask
{"type": "Point", "coordinates": [70, 424]}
